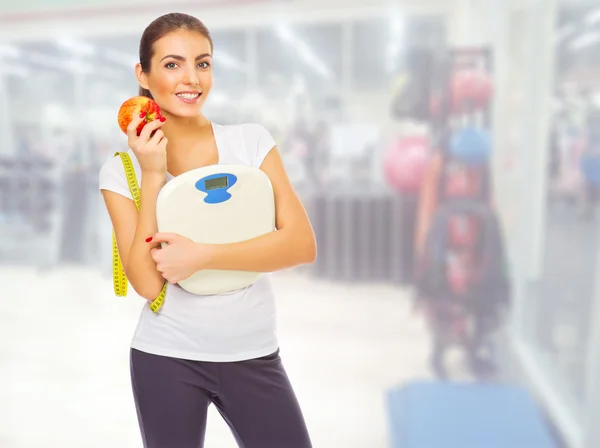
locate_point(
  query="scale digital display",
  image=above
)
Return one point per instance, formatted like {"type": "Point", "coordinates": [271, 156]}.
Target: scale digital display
{"type": "Point", "coordinates": [218, 182]}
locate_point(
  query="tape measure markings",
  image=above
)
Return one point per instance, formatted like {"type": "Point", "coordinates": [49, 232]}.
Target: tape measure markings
{"type": "Point", "coordinates": [120, 281]}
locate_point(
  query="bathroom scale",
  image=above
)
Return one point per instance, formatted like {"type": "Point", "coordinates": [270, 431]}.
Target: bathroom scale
{"type": "Point", "coordinates": [217, 204]}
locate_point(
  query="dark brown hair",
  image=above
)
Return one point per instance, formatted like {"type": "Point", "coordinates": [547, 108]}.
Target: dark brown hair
{"type": "Point", "coordinates": [159, 28]}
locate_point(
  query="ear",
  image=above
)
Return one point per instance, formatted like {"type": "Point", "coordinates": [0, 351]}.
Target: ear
{"type": "Point", "coordinates": [141, 76]}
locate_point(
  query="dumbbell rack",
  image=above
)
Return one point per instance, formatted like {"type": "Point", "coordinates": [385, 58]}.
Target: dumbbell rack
{"type": "Point", "coordinates": [449, 122]}
{"type": "Point", "coordinates": [445, 124]}
{"type": "Point", "coordinates": [29, 211]}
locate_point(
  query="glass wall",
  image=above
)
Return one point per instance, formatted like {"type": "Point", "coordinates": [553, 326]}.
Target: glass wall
{"type": "Point", "coordinates": [547, 189]}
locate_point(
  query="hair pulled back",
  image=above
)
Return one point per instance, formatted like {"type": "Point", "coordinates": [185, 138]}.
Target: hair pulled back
{"type": "Point", "coordinates": [159, 28]}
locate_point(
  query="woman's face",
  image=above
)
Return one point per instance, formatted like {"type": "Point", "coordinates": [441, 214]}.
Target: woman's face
{"type": "Point", "coordinates": [180, 76]}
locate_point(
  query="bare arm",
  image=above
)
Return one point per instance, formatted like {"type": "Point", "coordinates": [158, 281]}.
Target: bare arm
{"type": "Point", "coordinates": [427, 203]}
{"type": "Point", "coordinates": [292, 244]}
{"type": "Point", "coordinates": [131, 226]}
{"type": "Point", "coordinates": [131, 229]}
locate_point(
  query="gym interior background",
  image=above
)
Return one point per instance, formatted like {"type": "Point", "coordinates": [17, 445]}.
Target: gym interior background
{"type": "Point", "coordinates": [322, 77]}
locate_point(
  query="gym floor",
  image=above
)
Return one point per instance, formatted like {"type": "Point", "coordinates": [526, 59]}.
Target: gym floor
{"type": "Point", "coordinates": [65, 367]}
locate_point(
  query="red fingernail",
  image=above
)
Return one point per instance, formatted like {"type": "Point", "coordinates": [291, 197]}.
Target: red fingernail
{"type": "Point", "coordinates": [143, 114]}
{"type": "Point", "coordinates": [148, 239]}
{"type": "Point", "coordinates": [163, 119]}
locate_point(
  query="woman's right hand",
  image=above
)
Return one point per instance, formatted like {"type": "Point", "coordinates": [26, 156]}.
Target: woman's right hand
{"type": "Point", "coordinates": [150, 151]}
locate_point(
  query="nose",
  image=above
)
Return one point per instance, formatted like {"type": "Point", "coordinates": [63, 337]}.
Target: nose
{"type": "Point", "coordinates": [190, 76]}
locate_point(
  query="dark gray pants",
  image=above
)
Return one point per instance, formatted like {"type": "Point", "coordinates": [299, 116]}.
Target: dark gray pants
{"type": "Point", "coordinates": [254, 397]}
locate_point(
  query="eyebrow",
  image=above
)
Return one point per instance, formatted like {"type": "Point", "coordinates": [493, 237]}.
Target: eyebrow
{"type": "Point", "coordinates": [181, 58]}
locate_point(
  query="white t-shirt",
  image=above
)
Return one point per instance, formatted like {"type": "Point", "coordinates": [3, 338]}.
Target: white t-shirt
{"type": "Point", "coordinates": [223, 327]}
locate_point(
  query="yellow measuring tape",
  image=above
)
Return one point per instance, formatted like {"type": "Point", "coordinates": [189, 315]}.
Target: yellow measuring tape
{"type": "Point", "coordinates": [120, 281]}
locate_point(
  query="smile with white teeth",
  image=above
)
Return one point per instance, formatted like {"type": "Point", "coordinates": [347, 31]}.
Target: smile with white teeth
{"type": "Point", "coordinates": [188, 96]}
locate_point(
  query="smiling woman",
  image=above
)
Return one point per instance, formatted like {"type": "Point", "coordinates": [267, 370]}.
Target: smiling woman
{"type": "Point", "coordinates": [202, 349]}
{"type": "Point", "coordinates": [177, 63]}
{"type": "Point", "coordinates": [162, 27]}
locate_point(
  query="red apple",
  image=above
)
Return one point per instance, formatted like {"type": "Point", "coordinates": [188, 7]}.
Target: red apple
{"type": "Point", "coordinates": [135, 106]}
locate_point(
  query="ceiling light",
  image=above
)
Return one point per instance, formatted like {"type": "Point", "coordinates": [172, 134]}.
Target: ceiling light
{"type": "Point", "coordinates": [76, 46]}
{"type": "Point", "coordinates": [9, 50]}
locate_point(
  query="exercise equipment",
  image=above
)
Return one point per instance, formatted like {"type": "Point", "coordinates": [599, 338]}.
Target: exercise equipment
{"type": "Point", "coordinates": [28, 189]}
{"type": "Point", "coordinates": [470, 89]}
{"type": "Point", "coordinates": [363, 235]}
{"type": "Point", "coordinates": [471, 146]}
{"type": "Point", "coordinates": [460, 181]}
{"type": "Point", "coordinates": [464, 284]}
{"type": "Point", "coordinates": [590, 167]}
{"type": "Point", "coordinates": [460, 277]}
{"type": "Point", "coordinates": [463, 231]}
{"type": "Point", "coordinates": [411, 88]}
{"type": "Point", "coordinates": [460, 273]}
{"type": "Point", "coordinates": [406, 162]}
{"type": "Point", "coordinates": [462, 415]}
{"type": "Point", "coordinates": [31, 204]}
{"type": "Point", "coordinates": [217, 204]}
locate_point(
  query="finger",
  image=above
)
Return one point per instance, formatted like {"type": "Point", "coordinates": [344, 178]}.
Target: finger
{"type": "Point", "coordinates": [152, 126]}
{"type": "Point", "coordinates": [133, 125]}
{"type": "Point", "coordinates": [164, 237]}
{"type": "Point", "coordinates": [163, 143]}
{"type": "Point", "coordinates": [156, 138]}
{"type": "Point", "coordinates": [168, 278]}
{"type": "Point", "coordinates": [154, 253]}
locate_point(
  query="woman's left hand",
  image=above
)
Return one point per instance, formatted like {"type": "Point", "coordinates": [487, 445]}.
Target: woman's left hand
{"type": "Point", "coordinates": [180, 258]}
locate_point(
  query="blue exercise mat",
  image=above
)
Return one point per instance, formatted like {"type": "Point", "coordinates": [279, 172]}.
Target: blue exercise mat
{"type": "Point", "coordinates": [452, 415]}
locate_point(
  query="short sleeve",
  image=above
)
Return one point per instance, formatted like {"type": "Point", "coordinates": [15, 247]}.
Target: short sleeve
{"type": "Point", "coordinates": [112, 177]}
{"type": "Point", "coordinates": [259, 141]}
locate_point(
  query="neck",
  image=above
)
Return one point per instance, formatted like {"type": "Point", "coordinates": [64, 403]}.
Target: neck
{"type": "Point", "coordinates": [181, 128]}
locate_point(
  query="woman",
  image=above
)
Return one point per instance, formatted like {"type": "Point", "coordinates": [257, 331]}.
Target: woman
{"type": "Point", "coordinates": [198, 350]}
